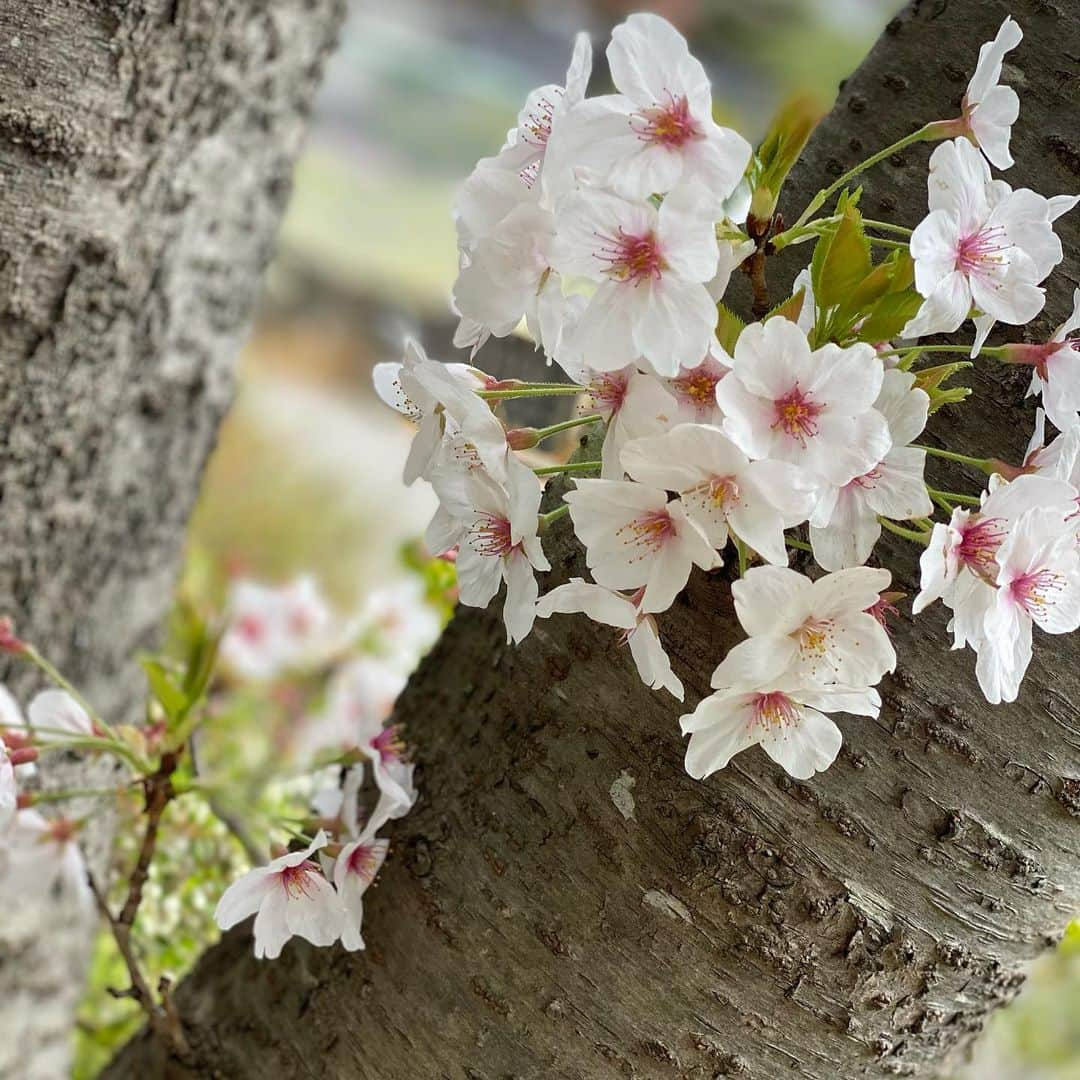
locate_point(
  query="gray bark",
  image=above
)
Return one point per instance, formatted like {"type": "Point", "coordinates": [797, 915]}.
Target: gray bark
{"type": "Point", "coordinates": [566, 902]}
{"type": "Point", "coordinates": [145, 157]}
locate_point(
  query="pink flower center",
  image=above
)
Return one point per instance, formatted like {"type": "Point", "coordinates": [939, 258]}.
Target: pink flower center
{"type": "Point", "coordinates": [814, 636]}
{"type": "Point", "coordinates": [251, 628]}
{"type": "Point", "coordinates": [363, 862]}
{"type": "Point", "coordinates": [979, 544]}
{"type": "Point", "coordinates": [490, 535]}
{"type": "Point", "coordinates": [796, 414]}
{"type": "Point", "coordinates": [296, 880]}
{"type": "Point", "coordinates": [774, 709]}
{"type": "Point", "coordinates": [669, 124]}
{"type": "Point", "coordinates": [608, 391]}
{"type": "Point", "coordinates": [649, 532]}
{"type": "Point", "coordinates": [981, 252]}
{"type": "Point", "coordinates": [697, 387]}
{"type": "Point", "coordinates": [388, 744]}
{"type": "Point", "coordinates": [1035, 592]}
{"type": "Point", "coordinates": [721, 491]}
{"type": "Point", "coordinates": [633, 258]}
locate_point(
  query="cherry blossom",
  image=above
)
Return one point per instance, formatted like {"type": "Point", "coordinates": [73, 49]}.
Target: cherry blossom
{"type": "Point", "coordinates": [635, 537]}
{"type": "Point", "coordinates": [822, 630]}
{"type": "Point", "coordinates": [1056, 369]}
{"type": "Point", "coordinates": [780, 710]}
{"type": "Point", "coordinates": [624, 613]}
{"type": "Point", "coordinates": [990, 109]}
{"type": "Point", "coordinates": [1038, 582]}
{"type": "Point", "coordinates": [721, 489]}
{"type": "Point", "coordinates": [964, 552]}
{"type": "Point", "coordinates": [55, 714]}
{"type": "Point", "coordinates": [695, 388]}
{"type": "Point", "coordinates": [657, 131]}
{"type": "Point", "coordinates": [272, 629]}
{"type": "Point", "coordinates": [9, 793]}
{"type": "Point", "coordinates": [355, 868]}
{"type": "Point", "coordinates": [633, 404]}
{"type": "Point", "coordinates": [494, 527]}
{"type": "Point", "coordinates": [40, 858]}
{"type": "Point", "coordinates": [815, 409]}
{"type": "Point", "coordinates": [982, 245]}
{"type": "Point", "coordinates": [403, 622]}
{"type": "Point", "coordinates": [845, 527]}
{"type": "Point", "coordinates": [288, 897]}
{"type": "Point", "coordinates": [650, 267]}
{"type": "Point", "coordinates": [439, 398]}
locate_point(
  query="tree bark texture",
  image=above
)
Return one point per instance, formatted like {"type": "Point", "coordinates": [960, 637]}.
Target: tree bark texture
{"type": "Point", "coordinates": [146, 149]}
{"type": "Point", "coordinates": [566, 902]}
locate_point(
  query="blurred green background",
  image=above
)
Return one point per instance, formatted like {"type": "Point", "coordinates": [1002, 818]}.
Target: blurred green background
{"type": "Point", "coordinates": [306, 476]}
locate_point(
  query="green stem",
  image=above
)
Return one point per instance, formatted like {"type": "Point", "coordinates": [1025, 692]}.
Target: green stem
{"type": "Point", "coordinates": [880, 241]}
{"type": "Point", "coordinates": [570, 466]}
{"type": "Point", "coordinates": [887, 226]}
{"type": "Point", "coordinates": [926, 133]}
{"type": "Point", "coordinates": [908, 534]}
{"type": "Point", "coordinates": [554, 515]}
{"type": "Point", "coordinates": [566, 425]}
{"type": "Point", "coordinates": [960, 350]}
{"type": "Point", "coordinates": [73, 793]}
{"type": "Point", "coordinates": [740, 547]}
{"type": "Point", "coordinates": [955, 497]}
{"type": "Point", "coordinates": [985, 465]}
{"type": "Point", "coordinates": [554, 390]}
{"type": "Point", "coordinates": [798, 545]}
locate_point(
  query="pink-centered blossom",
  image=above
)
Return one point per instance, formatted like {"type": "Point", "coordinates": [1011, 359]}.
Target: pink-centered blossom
{"type": "Point", "coordinates": [989, 109]}
{"type": "Point", "coordinates": [635, 538]}
{"type": "Point", "coordinates": [355, 868]}
{"type": "Point", "coordinates": [289, 897]}
{"type": "Point", "coordinates": [783, 401]}
{"type": "Point", "coordinates": [639, 631]}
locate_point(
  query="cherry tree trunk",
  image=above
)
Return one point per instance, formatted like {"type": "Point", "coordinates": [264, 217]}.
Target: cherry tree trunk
{"type": "Point", "coordinates": [566, 902]}
{"type": "Point", "coordinates": [146, 150]}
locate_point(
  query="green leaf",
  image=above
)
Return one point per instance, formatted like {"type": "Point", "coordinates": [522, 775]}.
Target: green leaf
{"type": "Point", "coordinates": [845, 263]}
{"type": "Point", "coordinates": [890, 315]}
{"type": "Point", "coordinates": [933, 379]}
{"type": "Point", "coordinates": [728, 328]}
{"type": "Point", "coordinates": [780, 149]}
{"type": "Point", "coordinates": [791, 308]}
{"type": "Point", "coordinates": [163, 687]}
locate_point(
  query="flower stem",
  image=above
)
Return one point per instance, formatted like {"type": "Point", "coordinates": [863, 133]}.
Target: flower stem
{"type": "Point", "coordinates": [960, 350]}
{"type": "Point", "coordinates": [553, 515]}
{"type": "Point", "coordinates": [908, 534]}
{"type": "Point", "coordinates": [570, 466]}
{"type": "Point", "coordinates": [50, 670]}
{"type": "Point", "coordinates": [954, 497]}
{"type": "Point", "coordinates": [538, 390]}
{"type": "Point", "coordinates": [73, 793]}
{"type": "Point", "coordinates": [798, 545]}
{"type": "Point", "coordinates": [740, 547]}
{"type": "Point", "coordinates": [566, 425]}
{"type": "Point", "coordinates": [887, 226]}
{"type": "Point", "coordinates": [986, 465]}
{"type": "Point", "coordinates": [926, 133]}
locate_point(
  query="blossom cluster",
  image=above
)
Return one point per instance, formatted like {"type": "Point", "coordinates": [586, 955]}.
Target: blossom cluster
{"type": "Point", "coordinates": [611, 226]}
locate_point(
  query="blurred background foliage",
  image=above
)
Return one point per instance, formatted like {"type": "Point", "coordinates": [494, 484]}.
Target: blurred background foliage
{"type": "Point", "coordinates": [306, 476]}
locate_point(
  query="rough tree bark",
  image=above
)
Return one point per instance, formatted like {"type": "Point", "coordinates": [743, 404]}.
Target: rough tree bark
{"type": "Point", "coordinates": [146, 149]}
{"type": "Point", "coordinates": [565, 902]}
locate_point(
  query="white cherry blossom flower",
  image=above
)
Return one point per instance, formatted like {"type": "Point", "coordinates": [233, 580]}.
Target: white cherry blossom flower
{"type": "Point", "coordinates": [624, 613]}
{"type": "Point", "coordinates": [440, 399]}
{"type": "Point", "coordinates": [651, 267]}
{"type": "Point", "coordinates": [635, 537]}
{"type": "Point", "coordinates": [785, 713]}
{"type": "Point", "coordinates": [355, 868]}
{"type": "Point", "coordinates": [894, 488]}
{"type": "Point", "coordinates": [990, 109]}
{"type": "Point", "coordinates": [9, 792]}
{"type": "Point", "coordinates": [272, 629]}
{"type": "Point", "coordinates": [40, 858]}
{"type": "Point", "coordinates": [404, 624]}
{"type": "Point", "coordinates": [1038, 582]}
{"type": "Point", "coordinates": [55, 714]}
{"type": "Point", "coordinates": [1056, 369]}
{"type": "Point", "coordinates": [721, 489]}
{"type": "Point", "coordinates": [982, 246]}
{"type": "Point", "coordinates": [964, 552]}
{"type": "Point", "coordinates": [822, 631]}
{"type": "Point", "coordinates": [288, 897]}
{"type": "Point", "coordinates": [494, 527]}
{"type": "Point", "coordinates": [783, 402]}
{"type": "Point", "coordinates": [695, 388]}
{"type": "Point", "coordinates": [633, 404]}
{"type": "Point", "coordinates": [657, 131]}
